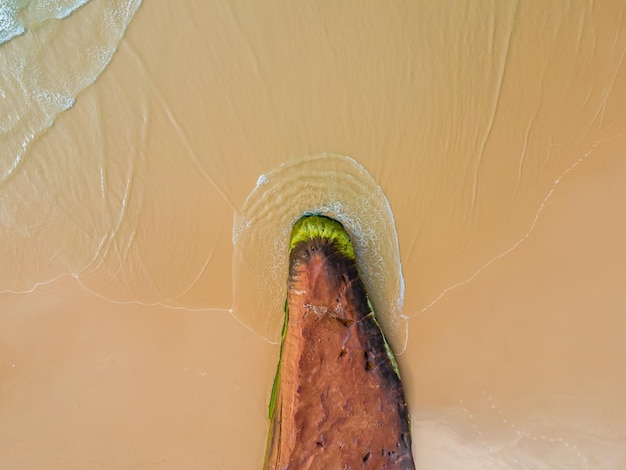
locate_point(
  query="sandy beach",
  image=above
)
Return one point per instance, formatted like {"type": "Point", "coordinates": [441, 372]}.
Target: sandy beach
{"type": "Point", "coordinates": [134, 135]}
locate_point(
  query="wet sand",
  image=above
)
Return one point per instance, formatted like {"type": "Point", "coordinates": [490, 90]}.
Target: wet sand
{"type": "Point", "coordinates": [496, 133]}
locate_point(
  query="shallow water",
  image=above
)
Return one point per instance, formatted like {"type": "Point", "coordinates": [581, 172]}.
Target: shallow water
{"type": "Point", "coordinates": [41, 74]}
{"type": "Point", "coordinates": [332, 185]}
{"type": "Point", "coordinates": [132, 137]}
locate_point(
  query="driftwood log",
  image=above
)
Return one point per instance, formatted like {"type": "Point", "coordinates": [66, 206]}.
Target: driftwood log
{"type": "Point", "coordinates": [337, 400]}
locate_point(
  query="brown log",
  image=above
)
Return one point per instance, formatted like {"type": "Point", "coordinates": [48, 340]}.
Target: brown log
{"type": "Point", "coordinates": [337, 401]}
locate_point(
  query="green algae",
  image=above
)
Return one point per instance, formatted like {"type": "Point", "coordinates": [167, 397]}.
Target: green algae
{"type": "Point", "coordinates": [318, 226]}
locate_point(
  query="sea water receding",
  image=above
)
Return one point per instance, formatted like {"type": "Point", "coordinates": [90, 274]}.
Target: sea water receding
{"type": "Point", "coordinates": [49, 52]}
{"type": "Point", "coordinates": [16, 16]}
{"type": "Point", "coordinates": [332, 185]}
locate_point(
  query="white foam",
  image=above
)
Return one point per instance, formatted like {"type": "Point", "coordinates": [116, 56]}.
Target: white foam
{"type": "Point", "coordinates": [36, 86]}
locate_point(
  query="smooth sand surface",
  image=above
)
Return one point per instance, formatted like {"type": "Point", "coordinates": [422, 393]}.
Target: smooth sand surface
{"type": "Point", "coordinates": [131, 140]}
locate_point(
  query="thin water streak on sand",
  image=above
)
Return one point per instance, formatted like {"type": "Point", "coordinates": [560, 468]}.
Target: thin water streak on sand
{"type": "Point", "coordinates": [495, 103]}
{"type": "Point", "coordinates": [530, 230]}
{"type": "Point", "coordinates": [201, 271]}
{"type": "Point", "coordinates": [149, 304]}
{"type": "Point", "coordinates": [180, 131]}
{"type": "Point", "coordinates": [35, 285]}
{"type": "Point", "coordinates": [122, 302]}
